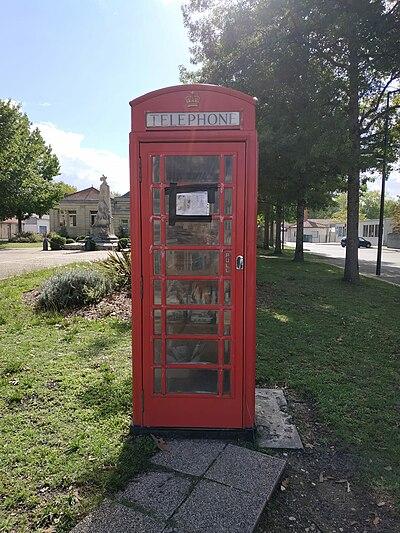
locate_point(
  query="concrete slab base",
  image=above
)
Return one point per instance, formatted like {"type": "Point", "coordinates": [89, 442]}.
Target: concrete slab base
{"type": "Point", "coordinates": [195, 486]}
{"type": "Point", "coordinates": [74, 246]}
{"type": "Point", "coordinates": [275, 428]}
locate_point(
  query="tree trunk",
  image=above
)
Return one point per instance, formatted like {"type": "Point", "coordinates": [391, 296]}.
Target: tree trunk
{"type": "Point", "coordinates": [299, 252]}
{"type": "Point", "coordinates": [278, 229]}
{"type": "Point", "coordinates": [267, 217]}
{"type": "Point", "coordinates": [271, 229]}
{"type": "Point", "coordinates": [351, 269]}
{"type": "Point", "coordinates": [19, 218]}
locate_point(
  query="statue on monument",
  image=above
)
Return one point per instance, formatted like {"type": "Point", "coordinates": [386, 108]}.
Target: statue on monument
{"type": "Point", "coordinates": [102, 229]}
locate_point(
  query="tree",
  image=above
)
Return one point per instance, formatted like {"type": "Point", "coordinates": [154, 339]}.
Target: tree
{"type": "Point", "coordinates": [27, 167]}
{"type": "Point", "coordinates": [256, 48]}
{"type": "Point", "coordinates": [358, 40]}
{"type": "Point", "coordinates": [370, 205]}
{"type": "Point", "coordinates": [66, 188]}
{"type": "Point", "coordinates": [352, 44]}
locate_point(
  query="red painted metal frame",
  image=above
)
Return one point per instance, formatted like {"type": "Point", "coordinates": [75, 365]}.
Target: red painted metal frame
{"type": "Point", "coordinates": [212, 98]}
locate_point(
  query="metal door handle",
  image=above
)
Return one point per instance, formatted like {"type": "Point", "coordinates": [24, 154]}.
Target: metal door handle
{"type": "Point", "coordinates": [239, 262]}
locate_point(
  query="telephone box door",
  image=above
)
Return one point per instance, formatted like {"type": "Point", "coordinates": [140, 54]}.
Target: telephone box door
{"type": "Point", "coordinates": [192, 212]}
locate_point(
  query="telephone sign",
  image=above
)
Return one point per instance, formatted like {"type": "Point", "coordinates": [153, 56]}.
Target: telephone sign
{"type": "Point", "coordinates": [193, 165]}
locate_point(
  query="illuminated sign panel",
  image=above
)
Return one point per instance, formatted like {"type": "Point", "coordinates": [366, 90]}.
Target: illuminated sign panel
{"type": "Point", "coordinates": [219, 119]}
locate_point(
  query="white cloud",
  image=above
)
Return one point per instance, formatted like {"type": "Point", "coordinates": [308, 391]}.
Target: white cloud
{"type": "Point", "coordinates": [82, 166]}
{"type": "Point", "coordinates": [392, 184]}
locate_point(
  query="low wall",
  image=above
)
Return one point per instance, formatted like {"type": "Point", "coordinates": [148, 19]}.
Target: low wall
{"type": "Point", "coordinates": [393, 240]}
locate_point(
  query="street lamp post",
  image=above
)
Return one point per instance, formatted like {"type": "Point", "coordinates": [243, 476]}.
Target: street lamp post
{"type": "Point", "coordinates": [383, 184]}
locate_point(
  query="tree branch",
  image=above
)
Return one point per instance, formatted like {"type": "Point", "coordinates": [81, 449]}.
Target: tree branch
{"type": "Point", "coordinates": [373, 109]}
{"type": "Point", "coordinates": [381, 114]}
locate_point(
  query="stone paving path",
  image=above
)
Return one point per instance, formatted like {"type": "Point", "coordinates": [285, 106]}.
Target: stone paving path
{"type": "Point", "coordinates": [194, 486]}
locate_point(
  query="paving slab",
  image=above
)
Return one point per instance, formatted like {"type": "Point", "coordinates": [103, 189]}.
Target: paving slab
{"type": "Point", "coordinates": [158, 493]}
{"type": "Point", "coordinates": [112, 517]}
{"type": "Point", "coordinates": [275, 427]}
{"type": "Point", "coordinates": [247, 470]}
{"type": "Point", "coordinates": [189, 456]}
{"type": "Point", "coordinates": [216, 508]}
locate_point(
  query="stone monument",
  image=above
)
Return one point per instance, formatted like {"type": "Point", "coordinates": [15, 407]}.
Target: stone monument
{"type": "Point", "coordinates": [102, 232]}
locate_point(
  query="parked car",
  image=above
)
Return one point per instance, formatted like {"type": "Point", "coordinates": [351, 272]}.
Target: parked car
{"type": "Point", "coordinates": [362, 243]}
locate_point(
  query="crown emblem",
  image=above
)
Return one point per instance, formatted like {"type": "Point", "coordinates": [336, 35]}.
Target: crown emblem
{"type": "Point", "coordinates": [192, 100]}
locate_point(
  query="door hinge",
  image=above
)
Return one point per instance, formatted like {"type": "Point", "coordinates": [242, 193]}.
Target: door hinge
{"type": "Point", "coordinates": [140, 169]}
{"type": "Point", "coordinates": [141, 288]}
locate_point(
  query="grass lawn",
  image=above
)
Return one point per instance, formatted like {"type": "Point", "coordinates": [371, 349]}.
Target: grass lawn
{"type": "Point", "coordinates": [66, 387]}
{"type": "Point", "coordinates": [12, 245]}
{"type": "Point", "coordinates": [65, 403]}
{"type": "Point", "coordinates": [339, 346]}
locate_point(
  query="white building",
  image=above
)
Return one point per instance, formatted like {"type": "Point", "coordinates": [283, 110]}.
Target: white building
{"type": "Point", "coordinates": [368, 229]}
{"type": "Point", "coordinates": [315, 230]}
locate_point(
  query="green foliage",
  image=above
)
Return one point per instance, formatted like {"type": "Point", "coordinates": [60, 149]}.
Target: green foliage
{"type": "Point", "coordinates": [74, 288]}
{"type": "Point", "coordinates": [66, 188]}
{"type": "Point", "coordinates": [123, 243]}
{"type": "Point", "coordinates": [57, 242]}
{"type": "Point", "coordinates": [69, 241]}
{"type": "Point", "coordinates": [27, 166]}
{"type": "Point", "coordinates": [118, 268]}
{"type": "Point", "coordinates": [396, 217]}
{"type": "Point", "coordinates": [27, 236]}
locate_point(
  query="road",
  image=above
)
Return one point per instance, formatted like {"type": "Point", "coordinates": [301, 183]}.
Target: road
{"type": "Point", "coordinates": [18, 261]}
{"type": "Point", "coordinates": [335, 255]}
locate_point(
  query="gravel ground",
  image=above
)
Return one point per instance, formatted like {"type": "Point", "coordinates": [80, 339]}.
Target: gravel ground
{"type": "Point", "coordinates": [19, 261]}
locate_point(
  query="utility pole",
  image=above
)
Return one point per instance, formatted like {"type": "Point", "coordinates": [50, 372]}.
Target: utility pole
{"type": "Point", "coordinates": [383, 184]}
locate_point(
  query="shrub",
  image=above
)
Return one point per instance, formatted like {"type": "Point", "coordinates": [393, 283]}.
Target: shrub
{"type": "Point", "coordinates": [118, 269]}
{"type": "Point", "coordinates": [123, 243]}
{"type": "Point", "coordinates": [57, 242]}
{"type": "Point", "coordinates": [81, 238]}
{"type": "Point", "coordinates": [73, 288]}
{"type": "Point", "coordinates": [69, 241]}
{"type": "Point", "coordinates": [27, 236]}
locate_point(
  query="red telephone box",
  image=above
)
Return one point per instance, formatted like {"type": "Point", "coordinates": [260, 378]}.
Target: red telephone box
{"type": "Point", "coordinates": [193, 168]}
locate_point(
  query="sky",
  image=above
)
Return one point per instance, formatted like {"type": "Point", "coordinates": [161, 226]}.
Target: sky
{"type": "Point", "coordinates": [75, 65]}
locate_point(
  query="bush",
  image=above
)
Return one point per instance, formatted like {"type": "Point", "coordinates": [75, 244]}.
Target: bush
{"type": "Point", "coordinates": [81, 238]}
{"type": "Point", "coordinates": [69, 241]}
{"type": "Point", "coordinates": [118, 269]}
{"type": "Point", "coordinates": [123, 243]}
{"type": "Point", "coordinates": [57, 242]}
{"type": "Point", "coordinates": [73, 288]}
{"type": "Point", "coordinates": [27, 236]}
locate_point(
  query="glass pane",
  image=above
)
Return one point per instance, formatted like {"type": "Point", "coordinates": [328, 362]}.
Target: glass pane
{"type": "Point", "coordinates": [182, 321]}
{"type": "Point", "coordinates": [226, 382]}
{"type": "Point", "coordinates": [228, 168]}
{"type": "Point", "coordinates": [192, 292]}
{"type": "Point", "coordinates": [157, 351]}
{"type": "Point", "coordinates": [156, 201]}
{"type": "Point", "coordinates": [156, 231]}
{"type": "Point", "coordinates": [227, 322]}
{"type": "Point", "coordinates": [192, 169]}
{"type": "Point", "coordinates": [228, 232]}
{"type": "Point", "coordinates": [157, 381]}
{"type": "Point", "coordinates": [157, 262]}
{"type": "Point", "coordinates": [155, 161]}
{"type": "Point", "coordinates": [227, 352]}
{"type": "Point", "coordinates": [196, 351]}
{"type": "Point", "coordinates": [228, 201]}
{"type": "Point", "coordinates": [186, 262]}
{"type": "Point", "coordinates": [227, 262]}
{"type": "Point", "coordinates": [193, 233]}
{"type": "Point", "coordinates": [227, 292]}
{"type": "Point", "coordinates": [157, 291]}
{"type": "Point", "coordinates": [157, 321]}
{"type": "Point", "coordinates": [192, 380]}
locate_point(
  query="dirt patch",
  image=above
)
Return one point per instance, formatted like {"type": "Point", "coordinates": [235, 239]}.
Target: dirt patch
{"type": "Point", "coordinates": [320, 491]}
{"type": "Point", "coordinates": [117, 304]}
